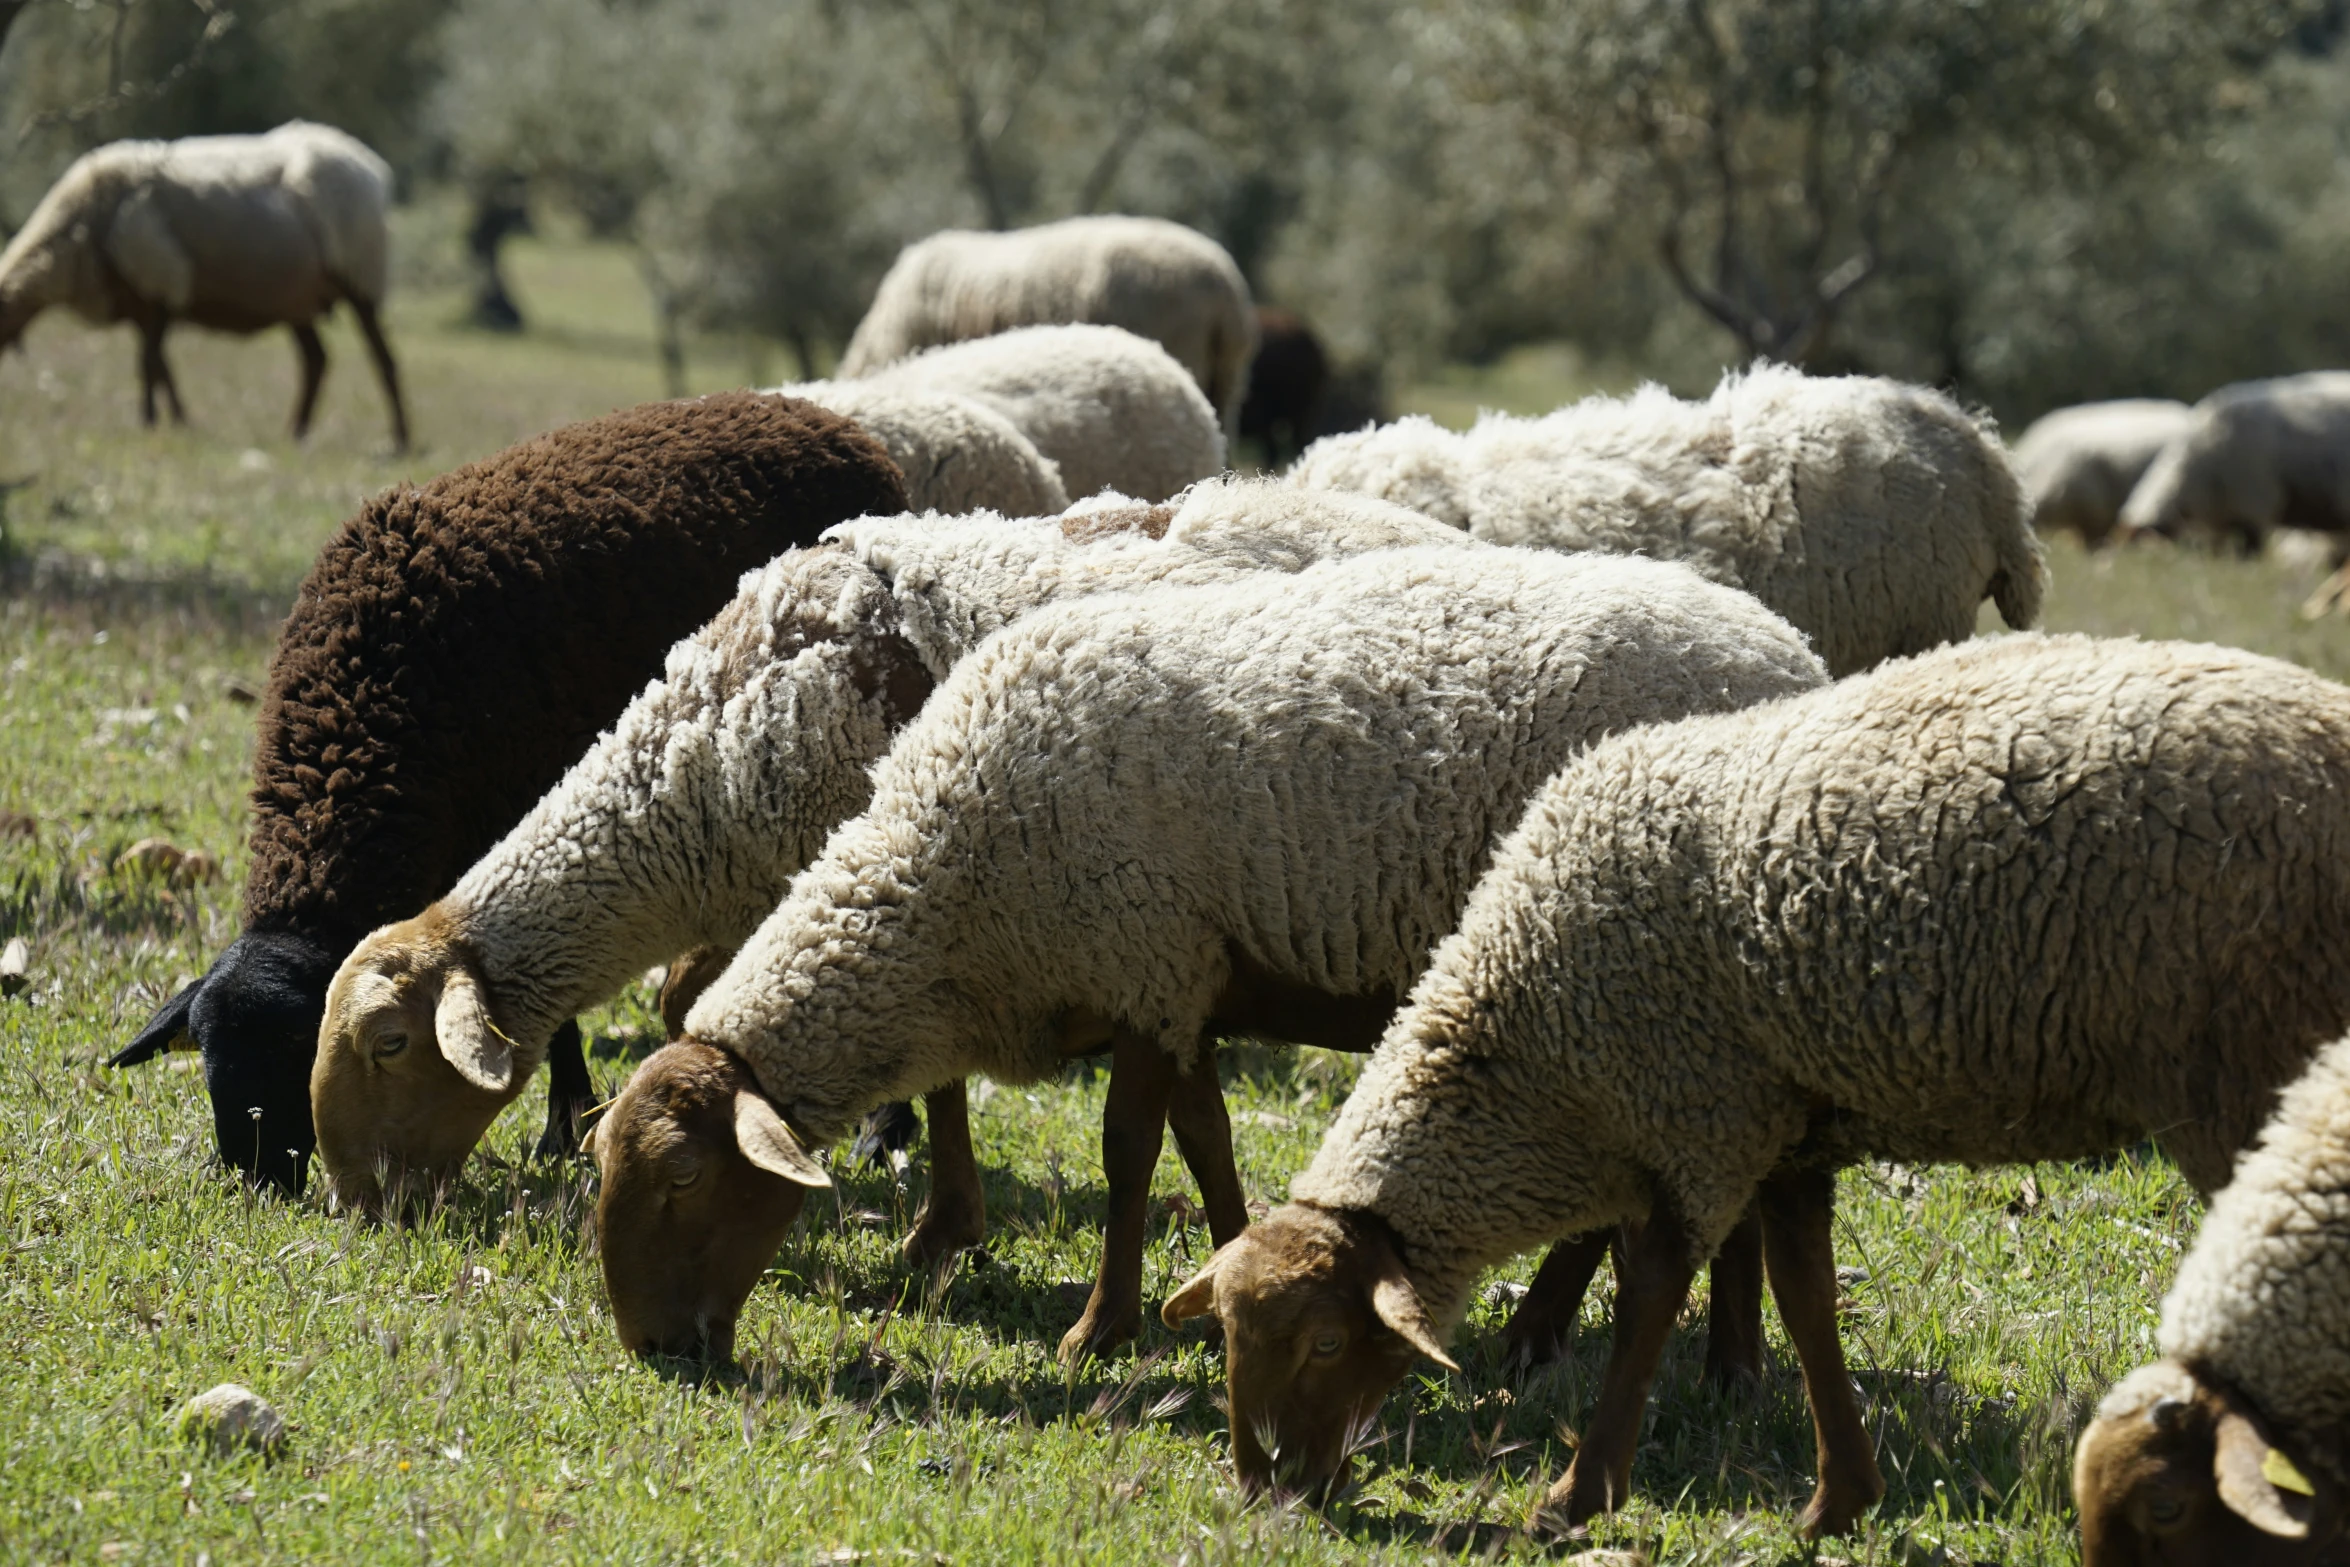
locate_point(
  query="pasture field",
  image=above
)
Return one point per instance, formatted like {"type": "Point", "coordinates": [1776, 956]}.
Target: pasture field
{"type": "Point", "coordinates": [454, 1388]}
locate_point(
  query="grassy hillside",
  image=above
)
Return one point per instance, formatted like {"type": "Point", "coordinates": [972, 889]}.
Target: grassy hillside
{"type": "Point", "coordinates": [455, 1389]}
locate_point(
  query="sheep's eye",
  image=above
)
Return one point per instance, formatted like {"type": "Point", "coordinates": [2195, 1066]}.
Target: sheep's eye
{"type": "Point", "coordinates": [685, 1178]}
{"type": "Point", "coordinates": [1329, 1344]}
{"type": "Point", "coordinates": [389, 1045]}
{"type": "Point", "coordinates": [2164, 1508]}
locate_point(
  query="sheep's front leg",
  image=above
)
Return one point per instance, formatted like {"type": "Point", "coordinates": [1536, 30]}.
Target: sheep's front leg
{"type": "Point", "coordinates": [1542, 1327]}
{"type": "Point", "coordinates": [571, 1093]}
{"type": "Point", "coordinates": [1733, 1332]}
{"type": "Point", "coordinates": [1798, 1210]}
{"type": "Point", "coordinates": [155, 372]}
{"type": "Point", "coordinates": [689, 975]}
{"type": "Point", "coordinates": [1203, 1135]}
{"type": "Point", "coordinates": [1652, 1284]}
{"type": "Point", "coordinates": [385, 371]}
{"type": "Point", "coordinates": [1134, 1124]}
{"type": "Point", "coordinates": [954, 1214]}
{"type": "Point", "coordinates": [313, 373]}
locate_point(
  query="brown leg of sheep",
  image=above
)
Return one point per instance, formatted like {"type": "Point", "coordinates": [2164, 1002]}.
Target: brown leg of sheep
{"type": "Point", "coordinates": [385, 371]}
{"type": "Point", "coordinates": [571, 1093]}
{"type": "Point", "coordinates": [1203, 1135]}
{"type": "Point", "coordinates": [313, 375]}
{"type": "Point", "coordinates": [155, 372]}
{"type": "Point", "coordinates": [1134, 1122]}
{"type": "Point", "coordinates": [1733, 1332]}
{"type": "Point", "coordinates": [1798, 1210]}
{"type": "Point", "coordinates": [689, 975]}
{"type": "Point", "coordinates": [1652, 1281]}
{"type": "Point", "coordinates": [1542, 1327]}
{"type": "Point", "coordinates": [954, 1213]}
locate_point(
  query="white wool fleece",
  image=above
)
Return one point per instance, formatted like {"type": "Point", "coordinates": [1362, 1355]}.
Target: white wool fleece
{"type": "Point", "coordinates": [1109, 799]}
{"type": "Point", "coordinates": [957, 454]}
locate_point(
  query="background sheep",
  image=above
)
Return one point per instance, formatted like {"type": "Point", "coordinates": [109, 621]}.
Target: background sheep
{"type": "Point", "coordinates": [237, 233]}
{"type": "Point", "coordinates": [1156, 279]}
{"type": "Point", "coordinates": [1256, 804]}
{"type": "Point", "coordinates": [2078, 465]}
{"type": "Point", "coordinates": [2254, 457]}
{"type": "Point", "coordinates": [1286, 381]}
{"type": "Point", "coordinates": [452, 651]}
{"type": "Point", "coordinates": [684, 824]}
{"type": "Point", "coordinates": [2235, 1446]}
{"type": "Point", "coordinates": [957, 454]}
{"type": "Point", "coordinates": [1908, 917]}
{"type": "Point", "coordinates": [1874, 515]}
{"type": "Point", "coordinates": [1111, 409]}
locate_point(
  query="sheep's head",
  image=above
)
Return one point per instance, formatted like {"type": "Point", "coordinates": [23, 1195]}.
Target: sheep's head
{"type": "Point", "coordinates": [1320, 1320]}
{"type": "Point", "coordinates": [701, 1178]}
{"type": "Point", "coordinates": [2178, 1469]}
{"type": "Point", "coordinates": [411, 1067]}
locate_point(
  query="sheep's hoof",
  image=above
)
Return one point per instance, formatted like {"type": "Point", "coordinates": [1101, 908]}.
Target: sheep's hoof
{"type": "Point", "coordinates": [937, 1236]}
{"type": "Point", "coordinates": [1583, 1493]}
{"type": "Point", "coordinates": [1100, 1330]}
{"type": "Point", "coordinates": [1838, 1503]}
{"type": "Point", "coordinates": [1732, 1368]}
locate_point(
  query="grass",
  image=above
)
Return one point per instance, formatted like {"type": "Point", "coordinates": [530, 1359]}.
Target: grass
{"type": "Point", "coordinates": [454, 1388]}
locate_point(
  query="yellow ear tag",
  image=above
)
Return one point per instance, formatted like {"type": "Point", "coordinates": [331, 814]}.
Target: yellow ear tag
{"type": "Point", "coordinates": [2278, 1471]}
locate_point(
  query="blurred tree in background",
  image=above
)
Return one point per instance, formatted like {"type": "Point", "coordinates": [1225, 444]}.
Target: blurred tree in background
{"type": "Point", "coordinates": [2030, 201]}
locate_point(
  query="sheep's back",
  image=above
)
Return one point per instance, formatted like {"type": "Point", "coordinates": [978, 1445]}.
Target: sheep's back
{"type": "Point", "coordinates": [456, 647]}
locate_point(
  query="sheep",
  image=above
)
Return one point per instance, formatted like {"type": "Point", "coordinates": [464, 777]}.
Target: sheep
{"type": "Point", "coordinates": [1111, 409]}
{"type": "Point", "coordinates": [2235, 1446]}
{"type": "Point", "coordinates": [1156, 279]}
{"type": "Point", "coordinates": [452, 650]}
{"type": "Point", "coordinates": [1286, 381]}
{"type": "Point", "coordinates": [957, 454]}
{"type": "Point", "coordinates": [2026, 899]}
{"type": "Point", "coordinates": [1874, 515]}
{"type": "Point", "coordinates": [683, 826]}
{"type": "Point", "coordinates": [1118, 820]}
{"type": "Point", "coordinates": [2078, 465]}
{"type": "Point", "coordinates": [237, 233]}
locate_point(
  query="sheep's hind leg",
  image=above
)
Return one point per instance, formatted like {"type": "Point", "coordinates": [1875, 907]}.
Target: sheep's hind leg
{"type": "Point", "coordinates": [155, 372]}
{"type": "Point", "coordinates": [571, 1093]}
{"type": "Point", "coordinates": [1733, 1334]}
{"type": "Point", "coordinates": [313, 374]}
{"type": "Point", "coordinates": [1542, 1327]}
{"type": "Point", "coordinates": [954, 1214]}
{"type": "Point", "coordinates": [1798, 1209]}
{"type": "Point", "coordinates": [1203, 1135]}
{"type": "Point", "coordinates": [1134, 1124]}
{"type": "Point", "coordinates": [1651, 1286]}
{"type": "Point", "coordinates": [385, 371]}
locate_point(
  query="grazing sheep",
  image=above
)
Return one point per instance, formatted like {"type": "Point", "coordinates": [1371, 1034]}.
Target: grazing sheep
{"type": "Point", "coordinates": [1112, 410]}
{"type": "Point", "coordinates": [2027, 899]}
{"type": "Point", "coordinates": [2253, 458]}
{"type": "Point", "coordinates": [2235, 1446]}
{"type": "Point", "coordinates": [2078, 465]}
{"type": "Point", "coordinates": [1120, 820]}
{"type": "Point", "coordinates": [1285, 385]}
{"type": "Point", "coordinates": [1874, 515]}
{"type": "Point", "coordinates": [683, 826]}
{"type": "Point", "coordinates": [452, 651]}
{"type": "Point", "coordinates": [1156, 279]}
{"type": "Point", "coordinates": [237, 233]}
{"type": "Point", "coordinates": [958, 454]}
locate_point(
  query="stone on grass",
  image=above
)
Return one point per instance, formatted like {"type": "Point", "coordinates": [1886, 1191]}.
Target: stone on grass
{"type": "Point", "coordinates": [231, 1417]}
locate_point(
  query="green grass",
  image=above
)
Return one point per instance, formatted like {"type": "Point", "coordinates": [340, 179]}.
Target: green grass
{"type": "Point", "coordinates": [454, 1388]}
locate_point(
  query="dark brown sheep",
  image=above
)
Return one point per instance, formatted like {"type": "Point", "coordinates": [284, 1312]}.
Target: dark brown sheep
{"type": "Point", "coordinates": [454, 649]}
{"type": "Point", "coordinates": [1286, 380]}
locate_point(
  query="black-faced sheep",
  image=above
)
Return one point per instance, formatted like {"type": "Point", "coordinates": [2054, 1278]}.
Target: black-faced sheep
{"type": "Point", "coordinates": [452, 651]}
{"type": "Point", "coordinates": [2027, 899]}
{"type": "Point", "coordinates": [1156, 279]}
{"type": "Point", "coordinates": [1124, 818]}
{"type": "Point", "coordinates": [1285, 385]}
{"type": "Point", "coordinates": [2078, 465]}
{"type": "Point", "coordinates": [683, 825]}
{"type": "Point", "coordinates": [1874, 515]}
{"type": "Point", "coordinates": [237, 233]}
{"type": "Point", "coordinates": [2235, 1446]}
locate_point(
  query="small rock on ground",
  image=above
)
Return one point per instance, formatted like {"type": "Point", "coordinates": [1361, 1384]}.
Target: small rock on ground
{"type": "Point", "coordinates": [230, 1417]}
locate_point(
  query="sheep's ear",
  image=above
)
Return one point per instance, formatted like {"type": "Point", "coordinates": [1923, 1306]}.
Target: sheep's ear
{"type": "Point", "coordinates": [167, 1030]}
{"type": "Point", "coordinates": [2257, 1481]}
{"type": "Point", "coordinates": [1398, 1305]}
{"type": "Point", "coordinates": [769, 1144]}
{"type": "Point", "coordinates": [1197, 1297]}
{"type": "Point", "coordinates": [471, 1042]}
{"type": "Point", "coordinates": [588, 1143]}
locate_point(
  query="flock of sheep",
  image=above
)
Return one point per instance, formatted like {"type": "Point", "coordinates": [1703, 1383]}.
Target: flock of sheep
{"type": "Point", "coordinates": [1623, 780]}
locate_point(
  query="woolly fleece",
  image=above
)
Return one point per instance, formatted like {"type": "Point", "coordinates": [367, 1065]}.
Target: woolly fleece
{"type": "Point", "coordinates": [1106, 799]}
{"type": "Point", "coordinates": [958, 455]}
{"type": "Point", "coordinates": [2026, 899]}
{"type": "Point", "coordinates": [2255, 456]}
{"type": "Point", "coordinates": [1874, 515]}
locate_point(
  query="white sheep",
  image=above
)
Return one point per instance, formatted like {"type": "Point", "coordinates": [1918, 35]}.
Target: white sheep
{"type": "Point", "coordinates": [2032, 898]}
{"type": "Point", "coordinates": [2235, 1446]}
{"type": "Point", "coordinates": [958, 454]}
{"type": "Point", "coordinates": [238, 233]}
{"type": "Point", "coordinates": [1258, 803]}
{"type": "Point", "coordinates": [1110, 408]}
{"type": "Point", "coordinates": [684, 824]}
{"type": "Point", "coordinates": [1876, 516]}
{"type": "Point", "coordinates": [1159, 280]}
{"type": "Point", "coordinates": [2078, 465]}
